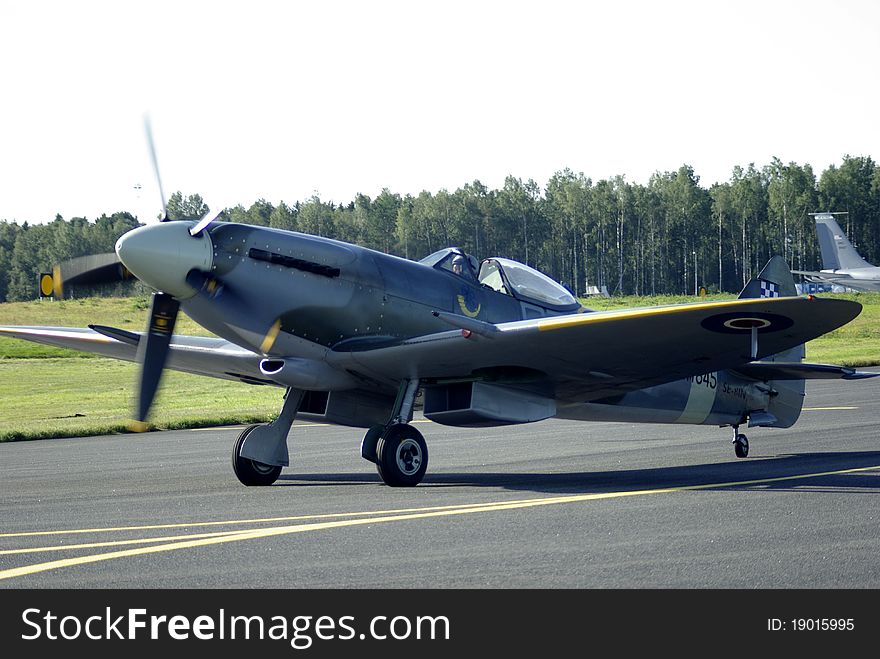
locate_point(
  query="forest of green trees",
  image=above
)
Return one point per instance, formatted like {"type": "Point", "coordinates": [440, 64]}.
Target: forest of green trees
{"type": "Point", "coordinates": [659, 238]}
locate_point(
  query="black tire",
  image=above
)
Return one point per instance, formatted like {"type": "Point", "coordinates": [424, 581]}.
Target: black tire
{"type": "Point", "coordinates": [250, 472]}
{"type": "Point", "coordinates": [402, 456]}
{"type": "Point", "coordinates": [370, 444]}
{"type": "Point", "coordinates": [741, 446]}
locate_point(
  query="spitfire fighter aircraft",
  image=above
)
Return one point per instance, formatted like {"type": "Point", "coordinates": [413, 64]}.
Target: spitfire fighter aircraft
{"type": "Point", "coordinates": [354, 336]}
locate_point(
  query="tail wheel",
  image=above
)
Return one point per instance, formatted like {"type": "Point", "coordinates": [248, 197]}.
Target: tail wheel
{"type": "Point", "coordinates": [250, 472]}
{"type": "Point", "coordinates": [402, 456]}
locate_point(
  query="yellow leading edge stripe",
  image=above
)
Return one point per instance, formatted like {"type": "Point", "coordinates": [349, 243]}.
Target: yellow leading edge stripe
{"type": "Point", "coordinates": [598, 317]}
{"type": "Point", "coordinates": [237, 536]}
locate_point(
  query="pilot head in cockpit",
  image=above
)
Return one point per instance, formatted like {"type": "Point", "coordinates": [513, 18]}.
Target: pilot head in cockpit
{"type": "Point", "coordinates": [458, 264]}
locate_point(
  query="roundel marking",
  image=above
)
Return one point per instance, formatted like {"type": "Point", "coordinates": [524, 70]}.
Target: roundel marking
{"type": "Point", "coordinates": [747, 323]}
{"type": "Point", "coordinates": [741, 323]}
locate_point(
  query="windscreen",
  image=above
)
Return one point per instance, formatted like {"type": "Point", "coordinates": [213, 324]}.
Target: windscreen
{"type": "Point", "coordinates": [526, 283]}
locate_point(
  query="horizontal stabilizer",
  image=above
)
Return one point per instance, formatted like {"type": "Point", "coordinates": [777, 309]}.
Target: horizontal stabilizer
{"type": "Point", "coordinates": [823, 276]}
{"type": "Point", "coordinates": [800, 371]}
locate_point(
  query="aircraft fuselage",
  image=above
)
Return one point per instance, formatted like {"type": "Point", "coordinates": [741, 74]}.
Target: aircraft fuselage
{"type": "Point", "coordinates": [719, 399]}
{"type": "Point", "coordinates": [860, 279]}
{"type": "Point", "coordinates": [297, 297]}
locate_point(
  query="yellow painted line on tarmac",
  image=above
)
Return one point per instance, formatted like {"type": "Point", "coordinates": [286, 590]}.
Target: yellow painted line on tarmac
{"type": "Point", "coordinates": [231, 522]}
{"type": "Point", "coordinates": [822, 409]}
{"type": "Point", "coordinates": [378, 518]}
{"type": "Point", "coordinates": [117, 543]}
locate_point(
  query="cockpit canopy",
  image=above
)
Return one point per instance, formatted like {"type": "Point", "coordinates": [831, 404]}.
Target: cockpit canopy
{"type": "Point", "coordinates": [453, 260]}
{"type": "Point", "coordinates": [505, 276]}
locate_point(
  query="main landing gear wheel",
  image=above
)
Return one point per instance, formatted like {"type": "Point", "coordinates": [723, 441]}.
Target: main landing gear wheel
{"type": "Point", "coordinates": [402, 456]}
{"type": "Point", "coordinates": [741, 446]}
{"type": "Point", "coordinates": [251, 472]}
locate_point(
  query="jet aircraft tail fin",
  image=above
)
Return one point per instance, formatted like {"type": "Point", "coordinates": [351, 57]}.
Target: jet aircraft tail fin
{"type": "Point", "coordinates": [837, 252]}
{"type": "Point", "coordinates": [787, 397]}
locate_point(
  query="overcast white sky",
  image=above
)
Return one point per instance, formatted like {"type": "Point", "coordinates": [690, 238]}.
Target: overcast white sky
{"type": "Point", "coordinates": [282, 100]}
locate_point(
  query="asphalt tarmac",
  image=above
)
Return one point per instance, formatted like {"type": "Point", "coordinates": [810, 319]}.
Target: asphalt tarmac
{"type": "Point", "coordinates": [556, 504]}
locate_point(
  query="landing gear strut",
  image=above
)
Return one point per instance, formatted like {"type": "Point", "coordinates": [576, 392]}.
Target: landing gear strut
{"type": "Point", "coordinates": [398, 450]}
{"type": "Point", "coordinates": [740, 443]}
{"type": "Point", "coordinates": [260, 451]}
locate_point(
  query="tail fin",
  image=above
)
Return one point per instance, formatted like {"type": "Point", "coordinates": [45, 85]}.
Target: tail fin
{"type": "Point", "coordinates": [787, 397]}
{"type": "Point", "coordinates": [837, 252]}
{"type": "Point", "coordinates": [774, 280]}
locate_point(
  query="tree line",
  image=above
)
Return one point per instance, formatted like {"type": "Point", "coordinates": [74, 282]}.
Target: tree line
{"type": "Point", "coordinates": [668, 236]}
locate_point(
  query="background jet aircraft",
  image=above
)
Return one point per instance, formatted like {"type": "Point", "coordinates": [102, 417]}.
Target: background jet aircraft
{"type": "Point", "coordinates": [354, 336]}
{"type": "Point", "coordinates": [841, 264]}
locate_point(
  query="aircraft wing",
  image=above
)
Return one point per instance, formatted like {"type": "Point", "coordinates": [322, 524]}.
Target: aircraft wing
{"type": "Point", "coordinates": [588, 356]}
{"type": "Point", "coordinates": [200, 355]}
